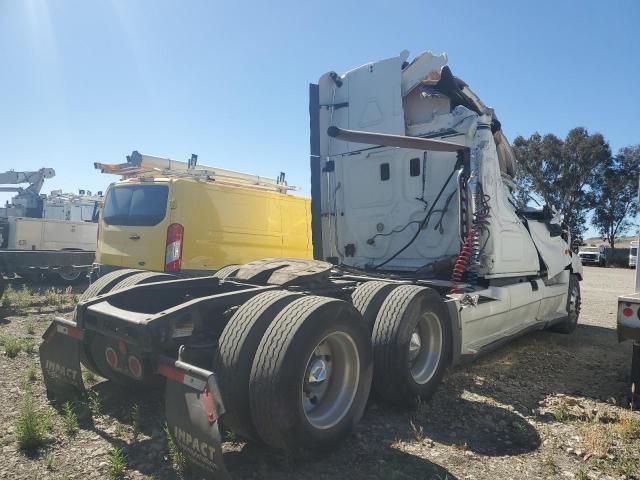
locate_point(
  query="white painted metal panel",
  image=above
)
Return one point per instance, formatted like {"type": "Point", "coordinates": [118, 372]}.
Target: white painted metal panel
{"type": "Point", "coordinates": [42, 234]}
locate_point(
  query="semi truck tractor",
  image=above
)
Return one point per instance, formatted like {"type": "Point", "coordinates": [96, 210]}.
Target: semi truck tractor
{"type": "Point", "coordinates": [422, 261]}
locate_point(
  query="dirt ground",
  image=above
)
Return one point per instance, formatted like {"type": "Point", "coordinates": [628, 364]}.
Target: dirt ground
{"type": "Point", "coordinates": [545, 406]}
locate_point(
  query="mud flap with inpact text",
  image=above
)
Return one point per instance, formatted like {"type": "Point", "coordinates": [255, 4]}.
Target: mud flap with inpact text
{"type": "Point", "coordinates": [192, 407]}
{"type": "Point", "coordinates": [60, 360]}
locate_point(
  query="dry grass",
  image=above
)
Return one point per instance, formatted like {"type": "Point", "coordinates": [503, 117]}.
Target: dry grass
{"type": "Point", "coordinates": [24, 297]}
{"type": "Point", "coordinates": [628, 427]}
{"type": "Point", "coordinates": [417, 431]}
{"type": "Point", "coordinates": [597, 438]}
{"type": "Point", "coordinates": [626, 464]}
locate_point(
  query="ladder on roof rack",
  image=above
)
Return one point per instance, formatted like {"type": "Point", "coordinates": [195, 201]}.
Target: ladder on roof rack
{"type": "Point", "coordinates": [148, 165]}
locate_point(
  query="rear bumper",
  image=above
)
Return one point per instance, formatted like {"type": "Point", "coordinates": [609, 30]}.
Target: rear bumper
{"type": "Point", "coordinates": [193, 403]}
{"type": "Point", "coordinates": [590, 261]}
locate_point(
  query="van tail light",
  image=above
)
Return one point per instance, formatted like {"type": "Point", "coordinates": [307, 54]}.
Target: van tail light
{"type": "Point", "coordinates": [98, 234]}
{"type": "Point", "coordinates": [173, 252]}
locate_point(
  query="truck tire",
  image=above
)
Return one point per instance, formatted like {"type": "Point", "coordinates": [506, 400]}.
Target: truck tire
{"type": "Point", "coordinates": [411, 345]}
{"type": "Point", "coordinates": [141, 278]}
{"type": "Point", "coordinates": [70, 277]}
{"type": "Point", "coordinates": [368, 298]}
{"type": "Point", "coordinates": [106, 282]}
{"type": "Point", "coordinates": [237, 348]}
{"type": "Point", "coordinates": [311, 375]}
{"type": "Point", "coordinates": [228, 271]}
{"type": "Point", "coordinates": [574, 302]}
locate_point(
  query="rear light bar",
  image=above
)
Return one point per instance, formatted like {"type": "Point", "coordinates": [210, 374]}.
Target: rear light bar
{"type": "Point", "coordinates": [173, 251]}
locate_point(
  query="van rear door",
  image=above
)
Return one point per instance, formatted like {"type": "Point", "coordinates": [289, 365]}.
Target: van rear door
{"type": "Point", "coordinates": [134, 225]}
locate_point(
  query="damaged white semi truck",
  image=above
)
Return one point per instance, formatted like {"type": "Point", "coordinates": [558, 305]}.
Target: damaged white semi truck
{"type": "Point", "coordinates": [422, 260]}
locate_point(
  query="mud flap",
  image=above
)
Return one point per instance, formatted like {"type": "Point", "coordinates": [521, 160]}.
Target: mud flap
{"type": "Point", "coordinates": [60, 361]}
{"type": "Point", "coordinates": [193, 406]}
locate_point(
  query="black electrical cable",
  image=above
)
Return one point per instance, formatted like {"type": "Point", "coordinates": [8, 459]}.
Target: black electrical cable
{"type": "Point", "coordinates": [444, 211]}
{"type": "Point", "coordinates": [422, 224]}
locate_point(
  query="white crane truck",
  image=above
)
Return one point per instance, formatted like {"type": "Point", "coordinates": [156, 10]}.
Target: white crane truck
{"type": "Point", "coordinates": [422, 261]}
{"type": "Point", "coordinates": [53, 235]}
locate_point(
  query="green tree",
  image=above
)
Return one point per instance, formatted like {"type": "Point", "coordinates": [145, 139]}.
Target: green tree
{"type": "Point", "coordinates": [617, 197]}
{"type": "Point", "coordinates": [564, 173]}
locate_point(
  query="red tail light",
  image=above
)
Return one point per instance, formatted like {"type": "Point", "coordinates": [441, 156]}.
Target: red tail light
{"type": "Point", "coordinates": [173, 251]}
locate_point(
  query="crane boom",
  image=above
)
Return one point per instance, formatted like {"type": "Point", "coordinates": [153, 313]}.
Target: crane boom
{"type": "Point", "coordinates": [27, 202]}
{"type": "Point", "coordinates": [34, 179]}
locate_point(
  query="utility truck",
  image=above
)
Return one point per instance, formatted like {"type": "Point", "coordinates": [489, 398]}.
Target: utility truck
{"type": "Point", "coordinates": [593, 255]}
{"type": "Point", "coordinates": [54, 234]}
{"type": "Point", "coordinates": [421, 262]}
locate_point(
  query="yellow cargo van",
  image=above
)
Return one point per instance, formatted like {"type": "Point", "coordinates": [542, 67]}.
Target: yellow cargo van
{"type": "Point", "coordinates": [195, 221]}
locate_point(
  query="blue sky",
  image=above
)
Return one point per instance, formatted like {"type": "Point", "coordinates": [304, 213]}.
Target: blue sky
{"type": "Point", "coordinates": [84, 81]}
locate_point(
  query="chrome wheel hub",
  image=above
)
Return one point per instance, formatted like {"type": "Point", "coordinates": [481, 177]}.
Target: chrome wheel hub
{"type": "Point", "coordinates": [330, 382]}
{"type": "Point", "coordinates": [425, 348]}
{"type": "Point", "coordinates": [415, 344]}
{"type": "Point", "coordinates": [317, 372]}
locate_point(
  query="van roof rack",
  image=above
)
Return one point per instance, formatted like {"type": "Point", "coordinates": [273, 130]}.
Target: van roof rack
{"type": "Point", "coordinates": [148, 165]}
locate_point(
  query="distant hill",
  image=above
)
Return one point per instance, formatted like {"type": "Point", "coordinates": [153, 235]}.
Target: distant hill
{"type": "Point", "coordinates": [622, 242]}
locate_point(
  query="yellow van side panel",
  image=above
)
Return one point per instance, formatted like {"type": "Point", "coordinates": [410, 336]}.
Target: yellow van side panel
{"type": "Point", "coordinates": [224, 225]}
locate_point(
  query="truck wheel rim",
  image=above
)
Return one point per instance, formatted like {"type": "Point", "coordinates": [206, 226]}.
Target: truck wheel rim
{"type": "Point", "coordinates": [69, 276]}
{"type": "Point", "coordinates": [425, 348]}
{"type": "Point", "coordinates": [331, 380]}
{"type": "Point", "coordinates": [574, 305]}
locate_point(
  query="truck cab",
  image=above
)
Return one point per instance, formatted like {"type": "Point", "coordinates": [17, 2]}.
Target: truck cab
{"type": "Point", "coordinates": [592, 255]}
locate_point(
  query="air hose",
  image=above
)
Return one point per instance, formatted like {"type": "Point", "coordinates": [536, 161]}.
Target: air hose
{"type": "Point", "coordinates": [469, 256]}
{"type": "Point", "coordinates": [464, 257]}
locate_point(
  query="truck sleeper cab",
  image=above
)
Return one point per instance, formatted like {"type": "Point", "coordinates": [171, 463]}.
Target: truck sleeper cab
{"type": "Point", "coordinates": [422, 261]}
